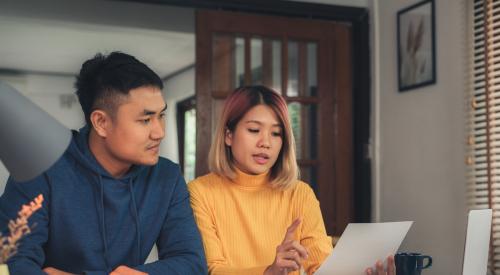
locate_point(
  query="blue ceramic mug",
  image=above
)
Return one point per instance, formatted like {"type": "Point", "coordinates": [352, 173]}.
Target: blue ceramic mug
{"type": "Point", "coordinates": [411, 263]}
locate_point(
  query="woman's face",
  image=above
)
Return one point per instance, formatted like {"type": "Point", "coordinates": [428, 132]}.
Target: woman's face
{"type": "Point", "coordinates": [256, 141]}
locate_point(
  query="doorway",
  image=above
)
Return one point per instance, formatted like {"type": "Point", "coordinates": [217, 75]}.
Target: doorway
{"type": "Point", "coordinates": [309, 63]}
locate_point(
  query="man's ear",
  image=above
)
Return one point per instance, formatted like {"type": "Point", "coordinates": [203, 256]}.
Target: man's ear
{"type": "Point", "coordinates": [101, 122]}
{"type": "Point", "coordinates": [228, 137]}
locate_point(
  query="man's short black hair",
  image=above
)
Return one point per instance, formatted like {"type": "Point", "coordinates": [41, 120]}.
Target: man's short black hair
{"type": "Point", "coordinates": [105, 81]}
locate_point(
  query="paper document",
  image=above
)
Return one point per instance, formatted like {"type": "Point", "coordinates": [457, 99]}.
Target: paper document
{"type": "Point", "coordinates": [361, 245]}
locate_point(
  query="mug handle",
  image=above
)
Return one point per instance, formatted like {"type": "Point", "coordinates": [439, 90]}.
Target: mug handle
{"type": "Point", "coordinates": [429, 261]}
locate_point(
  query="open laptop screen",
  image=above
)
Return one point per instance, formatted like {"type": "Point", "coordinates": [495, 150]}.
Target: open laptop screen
{"type": "Point", "coordinates": [477, 242]}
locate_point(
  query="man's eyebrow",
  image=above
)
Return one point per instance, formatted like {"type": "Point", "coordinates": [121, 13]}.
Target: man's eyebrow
{"type": "Point", "coordinates": [150, 112]}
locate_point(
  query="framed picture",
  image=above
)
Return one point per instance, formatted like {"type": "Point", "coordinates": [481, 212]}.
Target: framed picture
{"type": "Point", "coordinates": [416, 46]}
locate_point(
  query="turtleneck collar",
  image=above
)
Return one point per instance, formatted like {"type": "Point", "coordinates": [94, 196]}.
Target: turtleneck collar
{"type": "Point", "coordinates": [248, 180]}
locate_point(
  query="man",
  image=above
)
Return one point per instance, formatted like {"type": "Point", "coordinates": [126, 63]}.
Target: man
{"type": "Point", "coordinates": [110, 197]}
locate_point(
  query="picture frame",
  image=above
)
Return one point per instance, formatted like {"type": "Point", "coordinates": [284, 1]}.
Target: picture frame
{"type": "Point", "coordinates": [416, 43]}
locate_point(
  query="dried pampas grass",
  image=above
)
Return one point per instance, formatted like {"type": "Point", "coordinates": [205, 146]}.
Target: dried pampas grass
{"type": "Point", "coordinates": [18, 228]}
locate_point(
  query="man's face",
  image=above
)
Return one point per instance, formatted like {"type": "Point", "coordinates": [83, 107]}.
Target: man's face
{"type": "Point", "coordinates": [138, 127]}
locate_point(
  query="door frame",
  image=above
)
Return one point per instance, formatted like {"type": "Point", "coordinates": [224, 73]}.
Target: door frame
{"type": "Point", "coordinates": [358, 18]}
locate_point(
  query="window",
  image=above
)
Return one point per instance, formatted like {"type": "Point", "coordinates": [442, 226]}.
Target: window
{"type": "Point", "coordinates": [483, 155]}
{"type": "Point", "coordinates": [186, 132]}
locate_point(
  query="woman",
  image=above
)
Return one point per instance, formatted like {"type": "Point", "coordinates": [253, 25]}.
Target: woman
{"type": "Point", "coordinates": [254, 215]}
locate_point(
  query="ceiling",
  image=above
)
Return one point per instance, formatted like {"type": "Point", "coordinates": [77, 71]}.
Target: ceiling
{"type": "Point", "coordinates": [57, 36]}
{"type": "Point", "coordinates": [36, 42]}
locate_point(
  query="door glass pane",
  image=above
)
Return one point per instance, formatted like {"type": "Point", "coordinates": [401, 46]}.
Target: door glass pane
{"type": "Point", "coordinates": [303, 118]}
{"type": "Point", "coordinates": [276, 65]}
{"type": "Point", "coordinates": [312, 82]}
{"type": "Point", "coordinates": [308, 174]}
{"type": "Point", "coordinates": [228, 70]}
{"type": "Point", "coordinates": [271, 64]}
{"type": "Point", "coordinates": [189, 144]}
{"type": "Point", "coordinates": [240, 61]}
{"type": "Point", "coordinates": [256, 60]}
{"type": "Point", "coordinates": [293, 69]}
{"type": "Point", "coordinates": [294, 110]}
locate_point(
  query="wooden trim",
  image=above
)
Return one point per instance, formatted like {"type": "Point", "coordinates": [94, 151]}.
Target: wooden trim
{"type": "Point", "coordinates": [294, 27]}
{"type": "Point", "coordinates": [307, 162]}
{"type": "Point", "coordinates": [303, 100]}
{"type": "Point", "coordinates": [326, 185]}
{"type": "Point", "coordinates": [223, 57]}
{"type": "Point", "coordinates": [221, 94]}
{"type": "Point", "coordinates": [181, 122]}
{"type": "Point", "coordinates": [303, 131]}
{"type": "Point", "coordinates": [275, 7]}
{"type": "Point", "coordinates": [361, 102]}
{"type": "Point", "coordinates": [343, 138]}
{"type": "Point", "coordinates": [203, 115]}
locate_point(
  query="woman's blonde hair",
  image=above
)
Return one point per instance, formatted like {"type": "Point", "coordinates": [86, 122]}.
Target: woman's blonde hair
{"type": "Point", "coordinates": [284, 172]}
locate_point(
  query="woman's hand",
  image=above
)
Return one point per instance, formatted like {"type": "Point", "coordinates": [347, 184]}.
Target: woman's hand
{"type": "Point", "coordinates": [289, 254]}
{"type": "Point", "coordinates": [391, 268]}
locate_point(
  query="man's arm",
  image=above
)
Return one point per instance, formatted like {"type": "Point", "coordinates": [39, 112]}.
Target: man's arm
{"type": "Point", "coordinates": [30, 256]}
{"type": "Point", "coordinates": [180, 250]}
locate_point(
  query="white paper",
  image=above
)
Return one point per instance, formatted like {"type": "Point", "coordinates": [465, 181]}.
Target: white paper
{"type": "Point", "coordinates": [361, 245]}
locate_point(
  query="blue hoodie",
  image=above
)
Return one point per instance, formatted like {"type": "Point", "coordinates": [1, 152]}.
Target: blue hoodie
{"type": "Point", "coordinates": [91, 222]}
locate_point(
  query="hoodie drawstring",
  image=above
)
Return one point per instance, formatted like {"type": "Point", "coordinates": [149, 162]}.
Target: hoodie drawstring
{"type": "Point", "coordinates": [103, 224]}
{"type": "Point", "coordinates": [136, 214]}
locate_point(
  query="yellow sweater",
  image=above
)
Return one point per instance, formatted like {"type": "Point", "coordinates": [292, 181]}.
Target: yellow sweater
{"type": "Point", "coordinates": [243, 222]}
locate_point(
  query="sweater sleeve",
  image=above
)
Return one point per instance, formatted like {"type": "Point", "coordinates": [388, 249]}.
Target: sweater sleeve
{"type": "Point", "coordinates": [180, 250]}
{"type": "Point", "coordinates": [216, 260]}
{"type": "Point", "coordinates": [313, 237]}
{"type": "Point", "coordinates": [30, 256]}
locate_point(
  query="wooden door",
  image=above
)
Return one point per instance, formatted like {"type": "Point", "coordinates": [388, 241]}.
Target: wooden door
{"type": "Point", "coordinates": [309, 63]}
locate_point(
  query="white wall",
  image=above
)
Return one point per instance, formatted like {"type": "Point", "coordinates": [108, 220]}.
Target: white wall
{"type": "Point", "coordinates": [420, 138]}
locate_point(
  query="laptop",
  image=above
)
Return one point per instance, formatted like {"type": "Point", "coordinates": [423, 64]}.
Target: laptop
{"type": "Point", "coordinates": [477, 242]}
